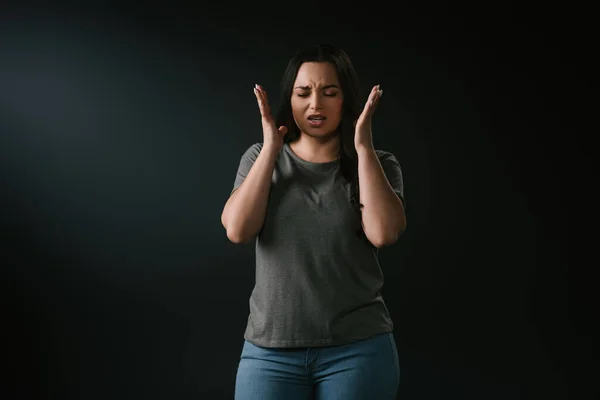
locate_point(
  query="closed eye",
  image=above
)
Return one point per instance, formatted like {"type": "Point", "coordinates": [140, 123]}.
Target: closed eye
{"type": "Point", "coordinates": [325, 94]}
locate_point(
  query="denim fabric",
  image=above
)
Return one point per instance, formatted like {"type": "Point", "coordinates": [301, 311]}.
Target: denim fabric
{"type": "Point", "coordinates": [364, 370]}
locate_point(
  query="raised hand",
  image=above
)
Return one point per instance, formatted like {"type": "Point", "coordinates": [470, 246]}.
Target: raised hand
{"type": "Point", "coordinates": [273, 136]}
{"type": "Point", "coordinates": [363, 135]}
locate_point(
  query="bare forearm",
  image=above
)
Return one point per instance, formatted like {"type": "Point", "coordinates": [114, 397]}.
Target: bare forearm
{"type": "Point", "coordinates": [244, 212]}
{"type": "Point", "coordinates": [383, 213]}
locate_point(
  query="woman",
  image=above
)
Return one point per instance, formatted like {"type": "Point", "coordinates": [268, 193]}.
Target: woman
{"type": "Point", "coordinates": [319, 200]}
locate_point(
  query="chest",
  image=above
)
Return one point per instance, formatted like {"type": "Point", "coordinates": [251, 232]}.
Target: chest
{"type": "Point", "coordinates": [311, 200]}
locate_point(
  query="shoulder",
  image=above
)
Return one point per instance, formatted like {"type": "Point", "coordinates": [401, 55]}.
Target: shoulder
{"type": "Point", "coordinates": [252, 152]}
{"type": "Point", "coordinates": [386, 156]}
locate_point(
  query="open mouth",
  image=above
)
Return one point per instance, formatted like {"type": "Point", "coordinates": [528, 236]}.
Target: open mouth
{"type": "Point", "coordinates": [316, 120]}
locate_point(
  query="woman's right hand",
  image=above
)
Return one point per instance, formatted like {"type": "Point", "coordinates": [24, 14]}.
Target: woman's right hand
{"type": "Point", "coordinates": [273, 136]}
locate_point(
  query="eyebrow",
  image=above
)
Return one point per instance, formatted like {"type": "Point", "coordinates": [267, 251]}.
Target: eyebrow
{"type": "Point", "coordinates": [323, 88]}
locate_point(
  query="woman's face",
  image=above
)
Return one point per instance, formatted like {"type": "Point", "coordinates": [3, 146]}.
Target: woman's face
{"type": "Point", "coordinates": [317, 99]}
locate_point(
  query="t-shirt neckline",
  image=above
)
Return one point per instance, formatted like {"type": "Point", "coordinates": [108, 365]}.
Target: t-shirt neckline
{"type": "Point", "coordinates": [313, 166]}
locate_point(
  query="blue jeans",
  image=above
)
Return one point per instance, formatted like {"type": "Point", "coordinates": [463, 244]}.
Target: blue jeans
{"type": "Point", "coordinates": [368, 369]}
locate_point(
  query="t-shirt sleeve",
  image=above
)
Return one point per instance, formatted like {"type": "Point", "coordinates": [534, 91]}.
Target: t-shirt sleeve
{"type": "Point", "coordinates": [246, 162]}
{"type": "Point", "coordinates": [393, 173]}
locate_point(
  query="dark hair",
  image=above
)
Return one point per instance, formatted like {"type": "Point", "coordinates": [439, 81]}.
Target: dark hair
{"type": "Point", "coordinates": [351, 109]}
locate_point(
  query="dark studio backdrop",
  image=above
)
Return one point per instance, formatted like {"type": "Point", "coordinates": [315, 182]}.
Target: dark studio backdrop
{"type": "Point", "coordinates": [121, 134]}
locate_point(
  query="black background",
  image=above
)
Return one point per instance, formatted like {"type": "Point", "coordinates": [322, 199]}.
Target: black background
{"type": "Point", "coordinates": [121, 132]}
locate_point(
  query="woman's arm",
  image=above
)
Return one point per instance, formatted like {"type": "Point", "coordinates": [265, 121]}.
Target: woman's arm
{"type": "Point", "coordinates": [383, 215]}
{"type": "Point", "coordinates": [244, 212]}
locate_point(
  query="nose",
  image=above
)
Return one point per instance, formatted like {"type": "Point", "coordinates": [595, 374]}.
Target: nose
{"type": "Point", "coordinates": [315, 102]}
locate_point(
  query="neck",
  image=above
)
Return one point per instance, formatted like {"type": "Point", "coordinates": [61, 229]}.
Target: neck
{"type": "Point", "coordinates": [317, 150]}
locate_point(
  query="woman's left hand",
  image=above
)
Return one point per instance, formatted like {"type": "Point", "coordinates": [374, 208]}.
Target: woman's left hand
{"type": "Point", "coordinates": [363, 135]}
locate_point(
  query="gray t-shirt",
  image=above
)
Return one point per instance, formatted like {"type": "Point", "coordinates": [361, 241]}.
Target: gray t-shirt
{"type": "Point", "coordinates": [317, 282]}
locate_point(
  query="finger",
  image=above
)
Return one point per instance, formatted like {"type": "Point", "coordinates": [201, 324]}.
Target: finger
{"type": "Point", "coordinates": [264, 93]}
{"type": "Point", "coordinates": [282, 130]}
{"type": "Point", "coordinates": [265, 100]}
{"type": "Point", "coordinates": [263, 105]}
{"type": "Point", "coordinates": [376, 95]}
{"type": "Point", "coordinates": [373, 93]}
{"type": "Point", "coordinates": [259, 100]}
{"type": "Point", "coordinates": [370, 99]}
{"type": "Point", "coordinates": [376, 99]}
